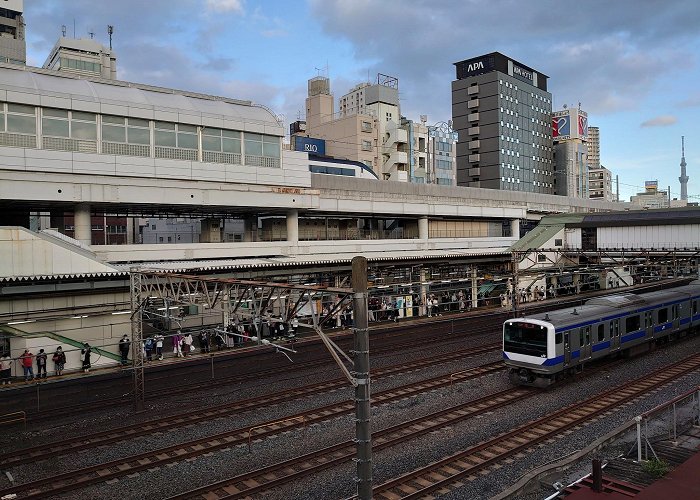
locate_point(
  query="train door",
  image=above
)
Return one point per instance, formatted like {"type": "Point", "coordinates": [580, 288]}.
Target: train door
{"type": "Point", "coordinates": [585, 338]}
{"type": "Point", "coordinates": [567, 350]}
{"type": "Point", "coordinates": [648, 325]}
{"type": "Point", "coordinates": [614, 334]}
{"type": "Point", "coordinates": [675, 316]}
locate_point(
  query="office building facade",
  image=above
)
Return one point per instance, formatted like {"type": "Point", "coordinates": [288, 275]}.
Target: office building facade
{"type": "Point", "coordinates": [501, 110]}
{"type": "Point", "coordinates": [570, 136]}
{"type": "Point", "coordinates": [82, 57]}
{"type": "Point", "coordinates": [13, 46]}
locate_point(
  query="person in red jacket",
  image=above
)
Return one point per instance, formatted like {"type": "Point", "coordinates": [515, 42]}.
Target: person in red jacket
{"type": "Point", "coordinates": [27, 360]}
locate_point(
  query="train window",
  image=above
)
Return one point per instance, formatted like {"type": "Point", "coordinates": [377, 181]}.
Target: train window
{"type": "Point", "coordinates": [695, 307]}
{"type": "Point", "coordinates": [601, 332]}
{"type": "Point", "coordinates": [557, 338]}
{"type": "Point", "coordinates": [587, 333]}
{"type": "Point", "coordinates": [674, 312]}
{"type": "Point", "coordinates": [647, 319]}
{"type": "Point", "coordinates": [580, 338]}
{"type": "Point", "coordinates": [632, 324]}
{"type": "Point", "coordinates": [663, 315]}
{"type": "Point", "coordinates": [566, 339]}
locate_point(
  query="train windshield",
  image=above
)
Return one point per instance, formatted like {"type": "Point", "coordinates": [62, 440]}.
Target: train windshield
{"type": "Point", "coordinates": [525, 338]}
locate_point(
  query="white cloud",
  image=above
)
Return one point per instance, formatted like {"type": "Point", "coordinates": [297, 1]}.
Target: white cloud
{"type": "Point", "coordinates": [235, 6]}
{"type": "Point", "coordinates": [660, 121]}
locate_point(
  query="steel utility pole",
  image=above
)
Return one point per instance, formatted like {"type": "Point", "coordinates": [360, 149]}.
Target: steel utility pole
{"type": "Point", "coordinates": [363, 431]}
{"type": "Point", "coordinates": [137, 338]}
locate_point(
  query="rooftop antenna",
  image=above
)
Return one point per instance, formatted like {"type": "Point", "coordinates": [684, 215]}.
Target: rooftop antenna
{"type": "Point", "coordinates": [73, 27]}
{"type": "Point", "coordinates": [92, 34]}
{"type": "Point", "coordinates": [110, 32]}
{"type": "Point", "coordinates": [63, 30]}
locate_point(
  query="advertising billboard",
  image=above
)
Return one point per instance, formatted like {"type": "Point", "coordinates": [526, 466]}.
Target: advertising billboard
{"type": "Point", "coordinates": [561, 127]}
{"type": "Point", "coordinates": [310, 145]}
{"type": "Point", "coordinates": [582, 125]}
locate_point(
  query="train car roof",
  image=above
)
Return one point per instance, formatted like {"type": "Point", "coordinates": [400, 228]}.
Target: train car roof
{"type": "Point", "coordinates": [612, 304]}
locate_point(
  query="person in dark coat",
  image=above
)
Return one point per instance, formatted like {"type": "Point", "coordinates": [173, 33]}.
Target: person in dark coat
{"type": "Point", "coordinates": [41, 364]}
{"type": "Point", "coordinates": [124, 347]}
{"type": "Point", "coordinates": [59, 360]}
{"type": "Point", "coordinates": [204, 341]}
{"type": "Point", "coordinates": [85, 353]}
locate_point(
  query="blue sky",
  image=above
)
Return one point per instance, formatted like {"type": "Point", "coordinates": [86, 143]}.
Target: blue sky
{"type": "Point", "coordinates": [633, 64]}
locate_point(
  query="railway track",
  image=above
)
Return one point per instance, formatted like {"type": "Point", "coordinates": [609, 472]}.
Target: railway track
{"type": "Point", "coordinates": [63, 447]}
{"type": "Point", "coordinates": [441, 476]}
{"type": "Point", "coordinates": [81, 478]}
{"type": "Point", "coordinates": [273, 476]}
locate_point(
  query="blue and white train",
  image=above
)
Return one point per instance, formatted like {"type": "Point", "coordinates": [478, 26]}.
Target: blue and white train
{"type": "Point", "coordinates": [542, 348]}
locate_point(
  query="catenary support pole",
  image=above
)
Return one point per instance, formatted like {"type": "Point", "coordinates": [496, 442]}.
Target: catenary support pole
{"type": "Point", "coordinates": [137, 339]}
{"type": "Point", "coordinates": [363, 431]}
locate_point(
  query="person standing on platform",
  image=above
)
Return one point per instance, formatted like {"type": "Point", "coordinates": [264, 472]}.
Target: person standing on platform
{"type": "Point", "coordinates": [159, 345]}
{"type": "Point", "coordinates": [59, 360]}
{"type": "Point", "coordinates": [27, 360]}
{"type": "Point", "coordinates": [41, 364]}
{"type": "Point", "coordinates": [124, 347]}
{"type": "Point", "coordinates": [5, 369]}
{"type": "Point", "coordinates": [148, 345]}
{"type": "Point", "coordinates": [177, 344]}
{"type": "Point", "coordinates": [204, 342]}
{"type": "Point", "coordinates": [187, 344]}
{"type": "Point", "coordinates": [85, 353]}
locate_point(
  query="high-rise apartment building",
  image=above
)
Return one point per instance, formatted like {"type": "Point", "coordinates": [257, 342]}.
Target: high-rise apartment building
{"type": "Point", "coordinates": [84, 57]}
{"type": "Point", "coordinates": [502, 112]}
{"type": "Point", "coordinates": [593, 145]}
{"type": "Point", "coordinates": [13, 46]}
{"type": "Point", "coordinates": [600, 184]}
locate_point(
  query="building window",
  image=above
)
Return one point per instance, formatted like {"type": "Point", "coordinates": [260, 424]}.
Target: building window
{"type": "Point", "coordinates": [366, 146]}
{"type": "Point", "coordinates": [21, 119]}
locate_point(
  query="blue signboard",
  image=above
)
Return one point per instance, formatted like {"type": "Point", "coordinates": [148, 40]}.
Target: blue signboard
{"type": "Point", "coordinates": [310, 145]}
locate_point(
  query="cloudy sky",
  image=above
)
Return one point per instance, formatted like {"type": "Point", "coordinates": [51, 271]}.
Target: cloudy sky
{"type": "Point", "coordinates": [634, 65]}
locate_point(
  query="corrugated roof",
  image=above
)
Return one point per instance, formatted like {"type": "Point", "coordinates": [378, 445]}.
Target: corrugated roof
{"type": "Point", "coordinates": [282, 261]}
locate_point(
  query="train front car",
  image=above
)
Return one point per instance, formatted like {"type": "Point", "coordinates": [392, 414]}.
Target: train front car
{"type": "Point", "coordinates": [529, 349]}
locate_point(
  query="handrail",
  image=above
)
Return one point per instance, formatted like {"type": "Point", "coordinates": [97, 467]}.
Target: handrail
{"type": "Point", "coordinates": [670, 403]}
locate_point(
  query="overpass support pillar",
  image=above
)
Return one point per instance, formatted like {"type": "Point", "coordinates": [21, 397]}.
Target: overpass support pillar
{"type": "Point", "coordinates": [515, 228]}
{"type": "Point", "coordinates": [82, 222]}
{"type": "Point", "coordinates": [293, 227]}
{"type": "Point", "coordinates": [423, 228]}
{"type": "Point", "coordinates": [250, 228]}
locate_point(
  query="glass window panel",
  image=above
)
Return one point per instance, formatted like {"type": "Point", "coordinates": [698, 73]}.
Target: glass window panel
{"type": "Point", "coordinates": [21, 124]}
{"type": "Point", "coordinates": [138, 122]}
{"type": "Point", "coordinates": [58, 113]}
{"type": "Point", "coordinates": [113, 119]}
{"type": "Point", "coordinates": [271, 139]}
{"type": "Point", "coordinates": [252, 137]}
{"type": "Point", "coordinates": [231, 145]}
{"type": "Point", "coordinates": [165, 126]}
{"type": "Point", "coordinates": [214, 132]}
{"type": "Point", "coordinates": [234, 134]}
{"type": "Point", "coordinates": [113, 134]}
{"type": "Point", "coordinates": [20, 108]}
{"type": "Point", "coordinates": [82, 130]}
{"type": "Point", "coordinates": [188, 141]}
{"type": "Point", "coordinates": [210, 143]}
{"type": "Point", "coordinates": [165, 138]}
{"type": "Point", "coordinates": [187, 128]}
{"type": "Point", "coordinates": [272, 150]}
{"type": "Point", "coordinates": [86, 117]}
{"type": "Point", "coordinates": [139, 135]}
{"type": "Point", "coordinates": [253, 147]}
{"type": "Point", "coordinates": [54, 128]}
{"type": "Point", "coordinates": [2, 119]}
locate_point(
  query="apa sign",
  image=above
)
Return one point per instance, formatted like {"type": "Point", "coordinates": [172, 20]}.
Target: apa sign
{"type": "Point", "coordinates": [473, 67]}
{"type": "Point", "coordinates": [310, 145]}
